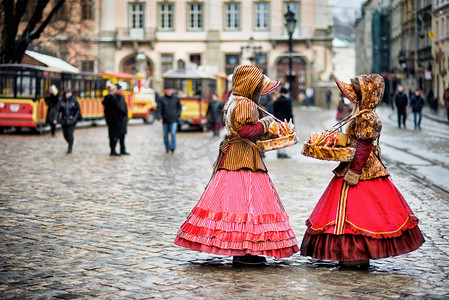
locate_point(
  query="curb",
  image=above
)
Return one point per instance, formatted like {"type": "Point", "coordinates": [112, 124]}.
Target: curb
{"type": "Point", "coordinates": [436, 119]}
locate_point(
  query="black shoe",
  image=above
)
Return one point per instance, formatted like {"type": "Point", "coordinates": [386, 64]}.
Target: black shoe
{"type": "Point", "coordinates": [172, 150]}
{"type": "Point", "coordinates": [283, 156]}
{"type": "Point", "coordinates": [124, 153]}
{"type": "Point", "coordinates": [69, 151]}
{"type": "Point", "coordinates": [249, 259]}
{"type": "Point", "coordinates": [114, 154]}
{"type": "Point", "coordinates": [355, 264]}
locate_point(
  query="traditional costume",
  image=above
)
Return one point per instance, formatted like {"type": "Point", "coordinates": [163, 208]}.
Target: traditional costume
{"type": "Point", "coordinates": [361, 214]}
{"type": "Point", "coordinates": [240, 213]}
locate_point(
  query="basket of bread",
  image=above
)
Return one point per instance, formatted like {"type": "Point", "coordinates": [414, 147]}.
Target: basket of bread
{"type": "Point", "coordinates": [328, 146]}
{"type": "Point", "coordinates": [285, 136]}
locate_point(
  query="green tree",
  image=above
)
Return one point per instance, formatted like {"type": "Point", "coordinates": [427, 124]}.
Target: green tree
{"type": "Point", "coordinates": [15, 43]}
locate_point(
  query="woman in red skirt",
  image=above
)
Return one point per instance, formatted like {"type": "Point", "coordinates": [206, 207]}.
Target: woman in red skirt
{"type": "Point", "coordinates": [361, 215]}
{"type": "Point", "coordinates": [240, 213]}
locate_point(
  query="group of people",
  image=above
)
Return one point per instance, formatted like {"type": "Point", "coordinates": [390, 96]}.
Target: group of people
{"type": "Point", "coordinates": [65, 111]}
{"type": "Point", "coordinates": [402, 101]}
{"type": "Point", "coordinates": [360, 216]}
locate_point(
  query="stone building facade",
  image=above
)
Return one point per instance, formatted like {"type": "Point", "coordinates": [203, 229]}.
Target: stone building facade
{"type": "Point", "coordinates": [440, 45]}
{"type": "Point", "coordinates": [218, 33]}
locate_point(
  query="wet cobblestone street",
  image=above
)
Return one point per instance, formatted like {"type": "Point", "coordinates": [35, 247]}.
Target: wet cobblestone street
{"type": "Point", "coordinates": [87, 225]}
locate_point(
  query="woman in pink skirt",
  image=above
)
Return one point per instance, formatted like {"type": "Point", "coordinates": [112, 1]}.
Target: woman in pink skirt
{"type": "Point", "coordinates": [240, 213]}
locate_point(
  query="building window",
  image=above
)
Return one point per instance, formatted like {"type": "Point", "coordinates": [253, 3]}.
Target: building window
{"type": "Point", "coordinates": [232, 16]}
{"type": "Point", "coordinates": [447, 26]}
{"type": "Point", "coordinates": [195, 58]}
{"type": "Point", "coordinates": [195, 16]}
{"type": "Point", "coordinates": [166, 16]}
{"type": "Point", "coordinates": [437, 33]}
{"type": "Point", "coordinates": [167, 62]}
{"type": "Point", "coordinates": [232, 61]}
{"type": "Point", "coordinates": [87, 66]}
{"type": "Point", "coordinates": [137, 15]}
{"type": "Point", "coordinates": [88, 9]}
{"type": "Point", "coordinates": [261, 18]}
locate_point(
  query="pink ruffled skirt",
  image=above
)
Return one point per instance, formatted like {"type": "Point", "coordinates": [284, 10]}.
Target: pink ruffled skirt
{"type": "Point", "coordinates": [239, 213]}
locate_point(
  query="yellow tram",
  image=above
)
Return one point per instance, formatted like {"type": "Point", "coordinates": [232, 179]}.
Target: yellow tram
{"type": "Point", "coordinates": [23, 89]}
{"type": "Point", "coordinates": [194, 90]}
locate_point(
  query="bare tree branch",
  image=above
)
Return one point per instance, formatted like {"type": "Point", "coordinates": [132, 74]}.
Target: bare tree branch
{"type": "Point", "coordinates": [21, 7]}
{"type": "Point", "coordinates": [36, 34]}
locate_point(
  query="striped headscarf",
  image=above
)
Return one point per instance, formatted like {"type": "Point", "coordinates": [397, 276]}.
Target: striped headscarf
{"type": "Point", "coordinates": [245, 79]}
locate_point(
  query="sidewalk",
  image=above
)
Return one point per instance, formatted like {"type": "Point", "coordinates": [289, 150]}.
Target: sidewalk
{"type": "Point", "coordinates": [439, 116]}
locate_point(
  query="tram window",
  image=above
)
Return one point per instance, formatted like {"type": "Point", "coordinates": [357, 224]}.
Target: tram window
{"type": "Point", "coordinates": [26, 86]}
{"type": "Point", "coordinates": [6, 86]}
{"type": "Point", "coordinates": [100, 87]}
{"type": "Point", "coordinates": [125, 85]}
{"type": "Point", "coordinates": [82, 88]}
{"type": "Point", "coordinates": [88, 88]}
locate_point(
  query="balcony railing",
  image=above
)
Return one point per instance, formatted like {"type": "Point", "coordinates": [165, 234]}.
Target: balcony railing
{"type": "Point", "coordinates": [134, 34]}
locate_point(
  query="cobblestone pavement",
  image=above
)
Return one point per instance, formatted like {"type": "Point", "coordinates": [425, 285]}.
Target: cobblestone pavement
{"type": "Point", "coordinates": [88, 225]}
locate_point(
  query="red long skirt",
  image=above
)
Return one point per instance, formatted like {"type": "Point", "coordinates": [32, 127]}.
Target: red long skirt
{"type": "Point", "coordinates": [239, 213]}
{"type": "Point", "coordinates": [367, 221]}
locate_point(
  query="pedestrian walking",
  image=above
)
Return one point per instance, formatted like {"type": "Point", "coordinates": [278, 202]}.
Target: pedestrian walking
{"type": "Point", "coordinates": [69, 114]}
{"type": "Point", "coordinates": [169, 111]}
{"type": "Point", "coordinates": [240, 213]}
{"type": "Point", "coordinates": [52, 102]}
{"type": "Point", "coordinates": [401, 102]}
{"type": "Point", "coordinates": [328, 98]}
{"type": "Point", "coordinates": [214, 113]}
{"type": "Point", "coordinates": [433, 101]}
{"type": "Point", "coordinates": [123, 111]}
{"type": "Point", "coordinates": [113, 116]}
{"type": "Point", "coordinates": [361, 215]}
{"type": "Point", "coordinates": [417, 103]}
{"type": "Point", "coordinates": [446, 100]}
{"type": "Point", "coordinates": [282, 109]}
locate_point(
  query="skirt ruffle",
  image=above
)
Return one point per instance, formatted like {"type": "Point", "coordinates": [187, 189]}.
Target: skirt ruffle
{"type": "Point", "coordinates": [377, 222]}
{"type": "Point", "coordinates": [374, 208]}
{"type": "Point", "coordinates": [239, 213]}
{"type": "Point", "coordinates": [349, 247]}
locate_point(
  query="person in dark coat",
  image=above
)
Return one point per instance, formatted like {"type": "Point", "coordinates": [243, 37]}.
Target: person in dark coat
{"type": "Point", "coordinates": [328, 98]}
{"type": "Point", "coordinates": [123, 111]}
{"type": "Point", "coordinates": [400, 102]}
{"type": "Point", "coordinates": [52, 102]}
{"type": "Point", "coordinates": [282, 109]}
{"type": "Point", "coordinates": [69, 114]}
{"type": "Point", "coordinates": [214, 112]}
{"type": "Point", "coordinates": [417, 103]}
{"type": "Point", "coordinates": [168, 112]}
{"type": "Point", "coordinates": [112, 115]}
{"type": "Point", "coordinates": [267, 102]}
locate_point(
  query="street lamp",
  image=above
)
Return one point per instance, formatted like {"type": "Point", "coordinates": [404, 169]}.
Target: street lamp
{"type": "Point", "coordinates": [253, 51]}
{"type": "Point", "coordinates": [290, 24]}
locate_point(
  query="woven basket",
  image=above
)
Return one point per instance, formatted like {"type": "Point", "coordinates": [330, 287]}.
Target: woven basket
{"type": "Point", "coordinates": [344, 154]}
{"type": "Point", "coordinates": [278, 143]}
